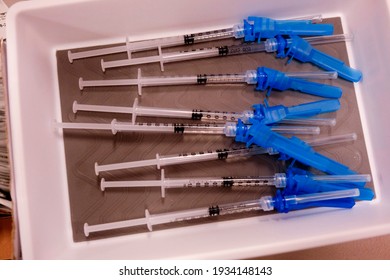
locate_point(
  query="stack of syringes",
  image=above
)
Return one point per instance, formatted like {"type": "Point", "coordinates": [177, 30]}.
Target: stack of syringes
{"type": "Point", "coordinates": [308, 179]}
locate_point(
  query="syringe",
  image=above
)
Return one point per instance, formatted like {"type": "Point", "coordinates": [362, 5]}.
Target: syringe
{"type": "Point", "coordinates": [228, 129]}
{"type": "Point", "coordinates": [296, 183]}
{"type": "Point", "coordinates": [279, 202]}
{"type": "Point", "coordinates": [221, 154]}
{"type": "Point", "coordinates": [254, 29]}
{"type": "Point", "coordinates": [269, 45]}
{"type": "Point", "coordinates": [264, 78]}
{"type": "Point", "coordinates": [266, 113]}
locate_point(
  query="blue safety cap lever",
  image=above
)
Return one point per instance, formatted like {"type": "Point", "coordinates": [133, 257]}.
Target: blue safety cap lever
{"type": "Point", "coordinates": [267, 78]}
{"type": "Point", "coordinates": [262, 135]}
{"type": "Point", "coordinates": [257, 28]}
{"type": "Point", "coordinates": [302, 51]}
{"type": "Point", "coordinates": [285, 203]}
{"type": "Point", "coordinates": [274, 114]}
{"type": "Point", "coordinates": [299, 181]}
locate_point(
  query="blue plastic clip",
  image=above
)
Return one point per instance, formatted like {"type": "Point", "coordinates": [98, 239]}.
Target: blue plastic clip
{"type": "Point", "coordinates": [277, 113]}
{"type": "Point", "coordinates": [272, 79]}
{"type": "Point", "coordinates": [300, 181]}
{"type": "Point", "coordinates": [282, 204]}
{"type": "Point", "coordinates": [257, 28]}
{"type": "Point", "coordinates": [302, 51]}
{"type": "Point", "coordinates": [261, 135]}
{"type": "Point", "coordinates": [241, 132]}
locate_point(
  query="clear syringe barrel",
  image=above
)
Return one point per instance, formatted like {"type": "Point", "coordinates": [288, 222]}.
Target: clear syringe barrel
{"type": "Point", "coordinates": [211, 52]}
{"type": "Point", "coordinates": [141, 82]}
{"type": "Point", "coordinates": [234, 208]}
{"type": "Point", "coordinates": [209, 35]}
{"type": "Point", "coordinates": [209, 155]}
{"type": "Point", "coordinates": [278, 180]}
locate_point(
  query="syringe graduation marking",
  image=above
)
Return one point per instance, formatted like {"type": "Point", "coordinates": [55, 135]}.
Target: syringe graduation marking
{"type": "Point", "coordinates": [214, 210]}
{"type": "Point", "coordinates": [228, 182]}
{"type": "Point", "coordinates": [202, 79]}
{"type": "Point", "coordinates": [189, 39]}
{"type": "Point", "coordinates": [179, 128]}
{"type": "Point", "coordinates": [223, 51]}
{"type": "Point", "coordinates": [223, 154]}
{"type": "Point", "coordinates": [197, 114]}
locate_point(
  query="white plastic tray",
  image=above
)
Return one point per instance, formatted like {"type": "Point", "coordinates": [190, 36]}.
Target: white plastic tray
{"type": "Point", "coordinates": [36, 29]}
